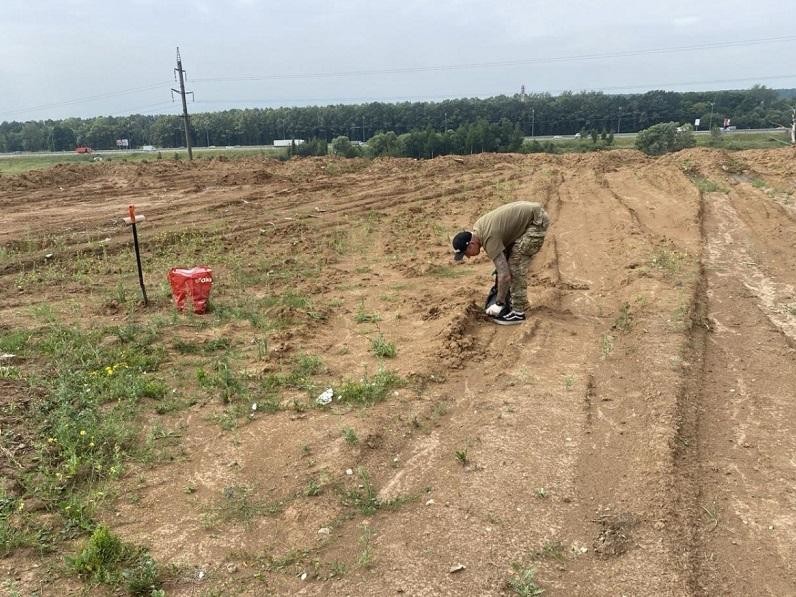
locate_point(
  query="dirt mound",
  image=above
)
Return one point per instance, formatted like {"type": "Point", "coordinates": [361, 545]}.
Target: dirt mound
{"type": "Point", "coordinates": [58, 175]}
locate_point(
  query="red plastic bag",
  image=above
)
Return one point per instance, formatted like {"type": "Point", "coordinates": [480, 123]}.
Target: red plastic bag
{"type": "Point", "coordinates": [195, 282]}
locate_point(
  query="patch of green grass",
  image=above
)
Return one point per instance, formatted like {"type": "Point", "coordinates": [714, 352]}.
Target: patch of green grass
{"type": "Point", "coordinates": [523, 582]}
{"type": "Point", "coordinates": [461, 456]}
{"type": "Point", "coordinates": [106, 559]}
{"type": "Point", "coordinates": [93, 392]}
{"type": "Point", "coordinates": [291, 558]}
{"type": "Point", "coordinates": [350, 436]}
{"type": "Point", "coordinates": [224, 380]}
{"type": "Point", "coordinates": [736, 141]}
{"type": "Point", "coordinates": [15, 529]}
{"type": "Point", "coordinates": [205, 347]}
{"type": "Point", "coordinates": [245, 311]}
{"type": "Point", "coordinates": [313, 488]}
{"type": "Point", "coordinates": [13, 341]}
{"type": "Point", "coordinates": [10, 372]}
{"type": "Point", "coordinates": [19, 164]}
{"type": "Point", "coordinates": [369, 390]}
{"type": "Point", "coordinates": [759, 183]}
{"type": "Point", "coordinates": [382, 348]}
{"type": "Point", "coordinates": [238, 505]}
{"type": "Point", "coordinates": [232, 415]}
{"type": "Point", "coordinates": [668, 261]}
{"type": "Point", "coordinates": [362, 316]}
{"type": "Point", "coordinates": [299, 376]}
{"type": "Point", "coordinates": [290, 304]}
{"type": "Point", "coordinates": [705, 185]}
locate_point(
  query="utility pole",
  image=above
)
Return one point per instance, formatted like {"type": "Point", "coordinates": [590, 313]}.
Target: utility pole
{"type": "Point", "coordinates": [793, 126]}
{"type": "Point", "coordinates": [182, 93]}
{"type": "Point", "coordinates": [710, 125]}
{"type": "Point", "coordinates": [524, 99]}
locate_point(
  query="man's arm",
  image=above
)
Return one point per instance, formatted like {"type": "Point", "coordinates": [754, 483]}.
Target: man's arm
{"type": "Point", "coordinates": [503, 277]}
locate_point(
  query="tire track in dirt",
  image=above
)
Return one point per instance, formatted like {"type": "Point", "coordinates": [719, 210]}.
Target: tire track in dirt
{"type": "Point", "coordinates": [620, 483]}
{"type": "Point", "coordinates": [745, 470]}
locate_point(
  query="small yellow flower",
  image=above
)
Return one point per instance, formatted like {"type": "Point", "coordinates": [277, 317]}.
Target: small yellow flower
{"type": "Point", "coordinates": [82, 432]}
{"type": "Point", "coordinates": [21, 506]}
{"type": "Point", "coordinates": [91, 445]}
{"type": "Point", "coordinates": [50, 440]}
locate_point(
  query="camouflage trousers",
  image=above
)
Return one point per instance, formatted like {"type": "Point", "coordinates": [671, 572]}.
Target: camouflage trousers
{"type": "Point", "coordinates": [519, 258]}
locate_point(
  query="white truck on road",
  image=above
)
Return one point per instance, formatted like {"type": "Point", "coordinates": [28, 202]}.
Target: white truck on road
{"type": "Point", "coordinates": [287, 142]}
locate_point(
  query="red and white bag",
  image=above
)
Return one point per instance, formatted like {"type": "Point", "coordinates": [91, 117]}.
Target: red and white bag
{"type": "Point", "coordinates": [195, 282]}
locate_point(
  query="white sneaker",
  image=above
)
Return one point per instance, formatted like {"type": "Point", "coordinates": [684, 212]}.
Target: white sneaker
{"type": "Point", "coordinates": [510, 318]}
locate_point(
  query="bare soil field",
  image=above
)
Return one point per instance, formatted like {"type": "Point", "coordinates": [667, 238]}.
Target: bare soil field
{"type": "Point", "coordinates": [634, 437]}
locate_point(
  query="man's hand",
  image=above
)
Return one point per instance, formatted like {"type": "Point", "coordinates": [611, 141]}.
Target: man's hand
{"type": "Point", "coordinates": [494, 310]}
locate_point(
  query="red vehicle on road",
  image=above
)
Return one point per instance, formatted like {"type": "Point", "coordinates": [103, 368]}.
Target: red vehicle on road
{"type": "Point", "coordinates": [83, 149]}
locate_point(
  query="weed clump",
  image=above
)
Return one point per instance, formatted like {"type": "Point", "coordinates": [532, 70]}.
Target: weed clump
{"type": "Point", "coordinates": [238, 505]}
{"type": "Point", "coordinates": [363, 316]}
{"type": "Point", "coordinates": [365, 497]}
{"type": "Point", "coordinates": [106, 559]}
{"type": "Point", "coordinates": [350, 436]}
{"type": "Point", "coordinates": [370, 390]}
{"type": "Point", "coordinates": [523, 583]}
{"type": "Point", "coordinates": [383, 348]}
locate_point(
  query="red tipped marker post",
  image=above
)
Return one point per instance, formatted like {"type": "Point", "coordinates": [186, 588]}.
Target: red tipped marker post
{"type": "Point", "coordinates": [131, 221]}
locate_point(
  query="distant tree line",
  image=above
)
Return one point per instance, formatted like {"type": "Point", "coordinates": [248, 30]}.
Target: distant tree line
{"type": "Point", "coordinates": [451, 126]}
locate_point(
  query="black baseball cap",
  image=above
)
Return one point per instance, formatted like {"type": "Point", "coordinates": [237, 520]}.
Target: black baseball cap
{"type": "Point", "coordinates": [460, 242]}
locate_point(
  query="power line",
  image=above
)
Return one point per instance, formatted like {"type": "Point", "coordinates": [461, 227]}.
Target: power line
{"type": "Point", "coordinates": [480, 94]}
{"type": "Point", "coordinates": [523, 62]}
{"type": "Point", "coordinates": [584, 57]}
{"type": "Point", "coordinates": [90, 98]}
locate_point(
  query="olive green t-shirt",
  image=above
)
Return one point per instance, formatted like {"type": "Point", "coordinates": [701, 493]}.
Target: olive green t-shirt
{"type": "Point", "coordinates": [502, 226]}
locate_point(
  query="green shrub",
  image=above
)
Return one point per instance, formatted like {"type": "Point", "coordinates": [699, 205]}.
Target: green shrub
{"type": "Point", "coordinates": [664, 138]}
{"type": "Point", "coordinates": [107, 560]}
{"type": "Point", "coordinates": [312, 147]}
{"type": "Point", "coordinates": [343, 147]}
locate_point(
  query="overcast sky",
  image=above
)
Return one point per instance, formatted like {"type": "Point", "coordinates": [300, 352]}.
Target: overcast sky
{"type": "Point", "coordinates": [86, 58]}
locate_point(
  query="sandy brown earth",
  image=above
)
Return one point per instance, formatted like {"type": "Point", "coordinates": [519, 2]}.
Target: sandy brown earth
{"type": "Point", "coordinates": [634, 437]}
